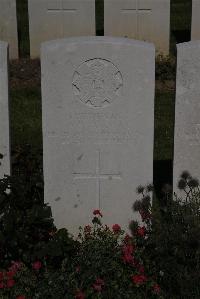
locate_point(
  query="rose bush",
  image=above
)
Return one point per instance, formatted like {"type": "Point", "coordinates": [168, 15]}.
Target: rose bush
{"type": "Point", "coordinates": [106, 264]}
{"type": "Point", "coordinates": [170, 237]}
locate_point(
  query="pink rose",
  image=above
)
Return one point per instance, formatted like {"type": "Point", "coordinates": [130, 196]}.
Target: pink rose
{"type": "Point", "coordinates": [37, 265]}
{"type": "Point", "coordinates": [116, 228]}
{"type": "Point", "coordinates": [97, 213]}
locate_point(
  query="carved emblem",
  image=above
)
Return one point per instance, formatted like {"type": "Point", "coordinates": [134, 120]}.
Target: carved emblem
{"type": "Point", "coordinates": [97, 82]}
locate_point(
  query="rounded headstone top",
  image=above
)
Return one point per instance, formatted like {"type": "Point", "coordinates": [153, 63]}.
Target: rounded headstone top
{"type": "Point", "coordinates": [189, 45]}
{"type": "Point", "coordinates": [98, 39]}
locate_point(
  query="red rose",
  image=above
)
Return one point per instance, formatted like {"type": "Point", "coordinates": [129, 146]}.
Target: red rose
{"type": "Point", "coordinates": [128, 249]}
{"type": "Point", "coordinates": [10, 283]}
{"type": "Point", "coordinates": [139, 279]}
{"type": "Point", "coordinates": [127, 258]}
{"type": "Point", "coordinates": [141, 231]}
{"type": "Point", "coordinates": [10, 274]}
{"type": "Point", "coordinates": [97, 212]}
{"type": "Point", "coordinates": [127, 254]}
{"type": "Point", "coordinates": [116, 228]}
{"type": "Point", "coordinates": [141, 269]}
{"type": "Point", "coordinates": [2, 285]}
{"type": "Point", "coordinates": [21, 297]}
{"type": "Point", "coordinates": [156, 288]}
{"type": "Point", "coordinates": [80, 295]}
{"type": "Point", "coordinates": [37, 265]}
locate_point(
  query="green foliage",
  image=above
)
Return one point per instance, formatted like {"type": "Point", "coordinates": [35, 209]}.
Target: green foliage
{"type": "Point", "coordinates": [173, 243]}
{"type": "Point", "coordinates": [25, 220]}
{"type": "Point", "coordinates": [106, 264]}
{"type": "Point", "coordinates": [27, 231]}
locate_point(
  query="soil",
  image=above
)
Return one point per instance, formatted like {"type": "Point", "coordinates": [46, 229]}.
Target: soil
{"type": "Point", "coordinates": [26, 73]}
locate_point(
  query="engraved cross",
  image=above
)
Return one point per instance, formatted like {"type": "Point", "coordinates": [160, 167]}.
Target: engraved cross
{"type": "Point", "coordinates": [138, 11]}
{"type": "Point", "coordinates": [97, 176]}
{"type": "Point", "coordinates": [60, 8]}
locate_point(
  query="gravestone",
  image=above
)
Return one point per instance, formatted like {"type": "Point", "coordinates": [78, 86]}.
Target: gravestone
{"type": "Point", "coordinates": [4, 111]}
{"type": "Point", "coordinates": [8, 26]}
{"type": "Point", "coordinates": [54, 19]}
{"type": "Point", "coordinates": [187, 121]}
{"type": "Point", "coordinates": [195, 30]}
{"type": "Point", "coordinates": [139, 19]}
{"type": "Point", "coordinates": [98, 106]}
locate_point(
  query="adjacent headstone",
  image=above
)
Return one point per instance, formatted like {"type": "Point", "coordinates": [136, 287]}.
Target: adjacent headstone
{"type": "Point", "coordinates": [4, 111]}
{"type": "Point", "coordinates": [53, 19]}
{"type": "Point", "coordinates": [8, 26]}
{"type": "Point", "coordinates": [139, 19]}
{"type": "Point", "coordinates": [187, 116]}
{"type": "Point", "coordinates": [98, 124]}
{"type": "Point", "coordinates": [195, 30]}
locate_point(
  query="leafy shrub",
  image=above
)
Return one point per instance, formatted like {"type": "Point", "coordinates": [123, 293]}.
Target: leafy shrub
{"type": "Point", "coordinates": [107, 264]}
{"type": "Point", "coordinates": [173, 244]}
{"type": "Point", "coordinates": [26, 223]}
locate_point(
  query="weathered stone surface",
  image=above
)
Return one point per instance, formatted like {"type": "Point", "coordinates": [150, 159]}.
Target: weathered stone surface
{"type": "Point", "coordinates": [98, 107]}
{"type": "Point", "coordinates": [140, 19]}
{"type": "Point", "coordinates": [53, 19]}
{"type": "Point", "coordinates": [4, 111]}
{"type": "Point", "coordinates": [187, 116]}
{"type": "Point", "coordinates": [8, 26]}
{"type": "Point", "coordinates": [195, 30]}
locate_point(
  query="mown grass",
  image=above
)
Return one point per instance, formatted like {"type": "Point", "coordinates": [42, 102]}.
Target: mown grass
{"type": "Point", "coordinates": [25, 118]}
{"type": "Point", "coordinates": [26, 102]}
{"type": "Point", "coordinates": [164, 126]}
{"type": "Point", "coordinates": [26, 121]}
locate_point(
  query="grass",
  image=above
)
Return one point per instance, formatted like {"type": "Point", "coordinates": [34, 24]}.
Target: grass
{"type": "Point", "coordinates": [164, 126]}
{"type": "Point", "coordinates": [26, 102]}
{"type": "Point", "coordinates": [26, 123]}
{"type": "Point", "coordinates": [25, 117]}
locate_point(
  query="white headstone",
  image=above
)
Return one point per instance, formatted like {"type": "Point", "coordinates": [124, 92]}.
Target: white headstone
{"type": "Point", "coordinates": [187, 116]}
{"type": "Point", "coordinates": [98, 107]}
{"type": "Point", "coordinates": [195, 30]}
{"type": "Point", "coordinates": [147, 20]}
{"type": "Point", "coordinates": [8, 26]}
{"type": "Point", "coordinates": [4, 111]}
{"type": "Point", "coordinates": [54, 19]}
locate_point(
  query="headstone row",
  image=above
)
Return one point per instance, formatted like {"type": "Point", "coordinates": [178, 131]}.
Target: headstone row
{"type": "Point", "coordinates": [4, 111]}
{"type": "Point", "coordinates": [139, 19]}
{"type": "Point", "coordinates": [98, 123]}
{"type": "Point", "coordinates": [54, 19]}
{"type": "Point", "coordinates": [147, 20]}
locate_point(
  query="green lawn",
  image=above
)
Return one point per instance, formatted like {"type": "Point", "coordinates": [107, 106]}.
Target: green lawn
{"type": "Point", "coordinates": [26, 124]}
{"type": "Point", "coordinates": [25, 116]}
{"type": "Point", "coordinates": [26, 102]}
{"type": "Point", "coordinates": [164, 126]}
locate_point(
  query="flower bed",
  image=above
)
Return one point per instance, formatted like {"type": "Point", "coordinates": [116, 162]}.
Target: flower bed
{"type": "Point", "coordinates": [106, 264]}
